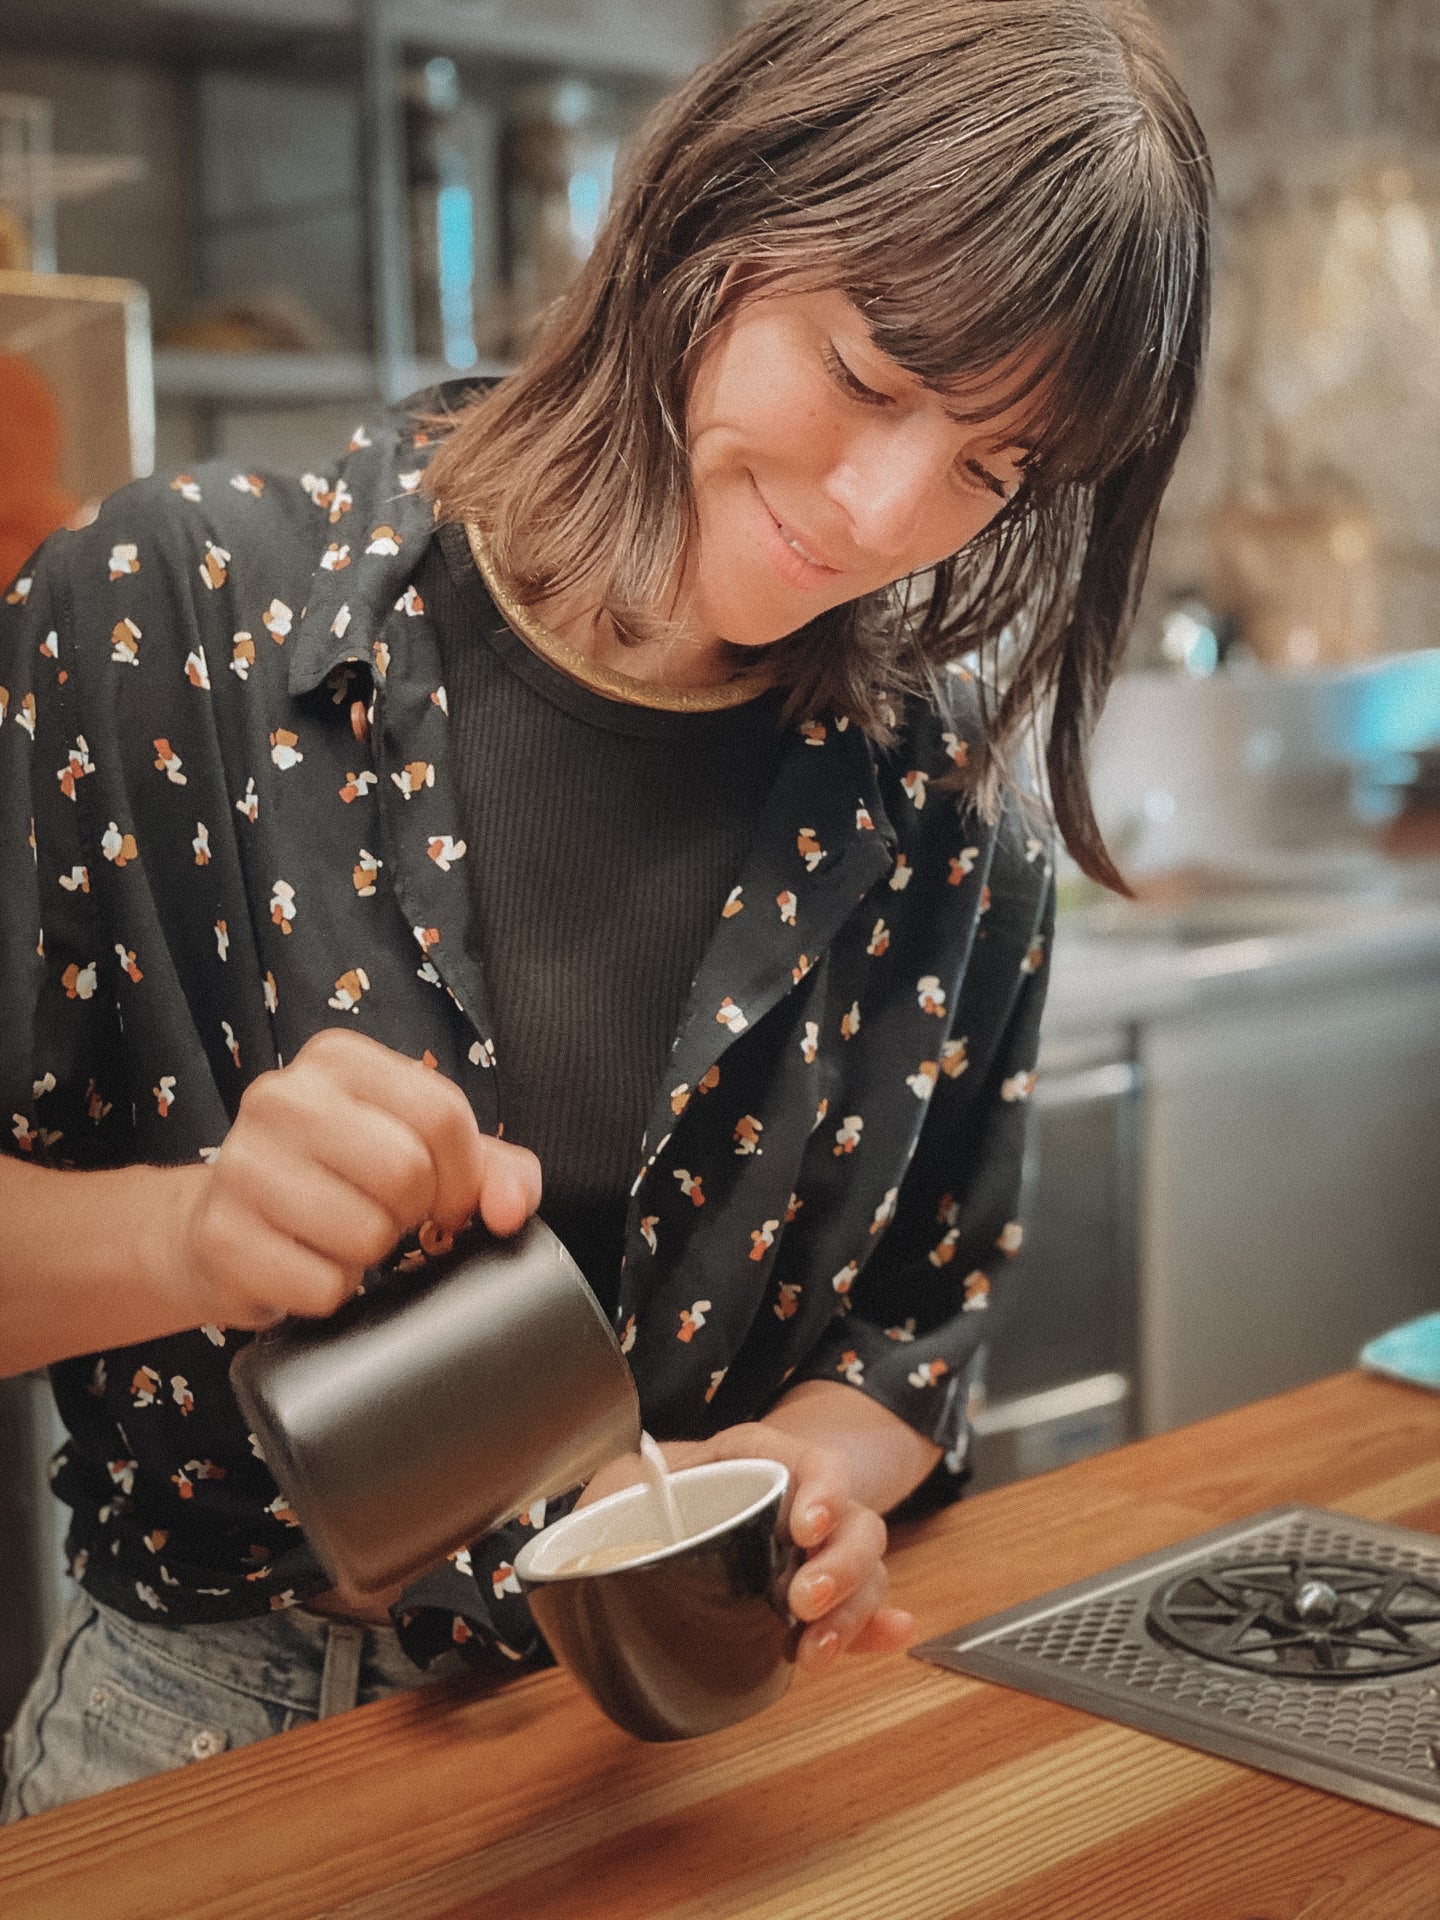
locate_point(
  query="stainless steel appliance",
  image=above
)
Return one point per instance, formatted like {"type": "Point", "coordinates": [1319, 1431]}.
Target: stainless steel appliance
{"type": "Point", "coordinates": [1061, 1373]}
{"type": "Point", "coordinates": [32, 1528]}
{"type": "Point", "coordinates": [1303, 1642]}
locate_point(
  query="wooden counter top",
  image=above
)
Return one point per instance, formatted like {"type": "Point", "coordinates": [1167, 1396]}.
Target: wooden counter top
{"type": "Point", "coordinates": [886, 1790]}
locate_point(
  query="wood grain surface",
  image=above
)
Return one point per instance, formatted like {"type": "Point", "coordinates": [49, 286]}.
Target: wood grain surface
{"type": "Point", "coordinates": [885, 1790]}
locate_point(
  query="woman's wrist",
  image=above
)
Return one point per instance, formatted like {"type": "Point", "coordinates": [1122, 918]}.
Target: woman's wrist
{"type": "Point", "coordinates": [886, 1456]}
{"type": "Point", "coordinates": [159, 1204]}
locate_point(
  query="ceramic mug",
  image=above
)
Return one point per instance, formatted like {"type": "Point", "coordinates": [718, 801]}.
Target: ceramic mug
{"type": "Point", "coordinates": [671, 1641]}
{"type": "Point", "coordinates": [437, 1404]}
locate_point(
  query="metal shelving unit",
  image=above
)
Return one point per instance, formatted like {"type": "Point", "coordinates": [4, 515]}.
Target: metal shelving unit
{"type": "Point", "coordinates": [632, 40]}
{"type": "Point", "coordinates": [285, 379]}
{"type": "Point", "coordinates": [588, 34]}
{"type": "Point", "coordinates": [369, 42]}
{"type": "Point", "coordinates": [634, 37]}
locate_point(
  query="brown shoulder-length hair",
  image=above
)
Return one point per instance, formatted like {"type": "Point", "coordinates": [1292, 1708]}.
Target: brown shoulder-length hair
{"type": "Point", "coordinates": [994, 183]}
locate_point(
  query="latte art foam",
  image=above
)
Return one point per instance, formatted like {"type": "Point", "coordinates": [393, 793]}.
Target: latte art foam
{"type": "Point", "coordinates": [599, 1559]}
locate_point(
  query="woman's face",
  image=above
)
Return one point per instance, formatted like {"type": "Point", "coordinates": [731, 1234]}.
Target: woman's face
{"type": "Point", "coordinates": [822, 470]}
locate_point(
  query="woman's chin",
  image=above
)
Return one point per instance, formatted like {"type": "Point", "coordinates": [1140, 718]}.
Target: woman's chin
{"type": "Point", "coordinates": [754, 628]}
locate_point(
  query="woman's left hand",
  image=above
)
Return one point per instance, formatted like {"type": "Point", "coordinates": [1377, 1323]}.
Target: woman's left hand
{"type": "Point", "coordinates": [840, 1590]}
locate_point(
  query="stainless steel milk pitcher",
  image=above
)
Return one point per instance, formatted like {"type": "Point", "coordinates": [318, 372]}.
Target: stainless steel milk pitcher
{"type": "Point", "coordinates": [437, 1404]}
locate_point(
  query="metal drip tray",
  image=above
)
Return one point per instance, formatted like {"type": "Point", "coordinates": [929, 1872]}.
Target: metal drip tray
{"type": "Point", "coordinates": [1300, 1641]}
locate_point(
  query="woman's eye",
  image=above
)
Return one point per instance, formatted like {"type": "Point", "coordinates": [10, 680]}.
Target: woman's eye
{"type": "Point", "coordinates": [851, 382]}
{"type": "Point", "coordinates": [977, 476]}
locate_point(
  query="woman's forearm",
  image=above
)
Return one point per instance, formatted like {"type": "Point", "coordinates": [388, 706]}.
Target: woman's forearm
{"type": "Point", "coordinates": [886, 1456]}
{"type": "Point", "coordinates": [330, 1161]}
{"type": "Point", "coordinates": [78, 1270]}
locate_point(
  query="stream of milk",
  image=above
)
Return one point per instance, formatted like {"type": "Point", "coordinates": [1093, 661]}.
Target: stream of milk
{"type": "Point", "coordinates": [657, 1478]}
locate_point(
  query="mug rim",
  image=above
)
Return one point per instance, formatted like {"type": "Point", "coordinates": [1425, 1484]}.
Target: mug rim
{"type": "Point", "coordinates": [534, 1549]}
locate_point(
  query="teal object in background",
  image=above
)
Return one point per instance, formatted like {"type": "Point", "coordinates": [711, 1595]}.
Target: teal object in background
{"type": "Point", "coordinates": [1410, 1353]}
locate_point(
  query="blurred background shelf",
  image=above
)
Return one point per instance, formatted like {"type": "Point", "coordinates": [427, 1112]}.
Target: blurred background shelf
{"type": "Point", "coordinates": [178, 31]}
{"type": "Point", "coordinates": [592, 34]}
{"type": "Point", "coordinates": [599, 36]}
{"type": "Point", "coordinates": [276, 379]}
{"type": "Point", "coordinates": [30, 183]}
{"type": "Point", "coordinates": [333, 203]}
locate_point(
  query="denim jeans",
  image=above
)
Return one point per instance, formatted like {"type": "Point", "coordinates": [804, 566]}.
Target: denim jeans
{"type": "Point", "coordinates": [117, 1700]}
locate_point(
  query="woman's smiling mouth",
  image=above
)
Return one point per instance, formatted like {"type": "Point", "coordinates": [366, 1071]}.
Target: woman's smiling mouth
{"type": "Point", "coordinates": [794, 559]}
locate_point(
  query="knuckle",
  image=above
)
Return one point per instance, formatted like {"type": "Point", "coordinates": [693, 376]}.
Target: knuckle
{"type": "Point", "coordinates": [258, 1094]}
{"type": "Point", "coordinates": [402, 1193]}
{"type": "Point", "coordinates": [508, 1152]}
{"type": "Point", "coordinates": [355, 1232]}
{"type": "Point", "coordinates": [244, 1175]}
{"type": "Point", "coordinates": [322, 1299]}
{"type": "Point", "coordinates": [376, 1231]}
{"type": "Point", "coordinates": [326, 1286]}
{"type": "Point", "coordinates": [410, 1169]}
{"type": "Point", "coordinates": [343, 1285]}
{"type": "Point", "coordinates": [447, 1097]}
{"type": "Point", "coordinates": [235, 1165]}
{"type": "Point", "coordinates": [252, 1316]}
{"type": "Point", "coordinates": [327, 1043]}
{"type": "Point", "coordinates": [437, 1111]}
{"type": "Point", "coordinates": [268, 1096]}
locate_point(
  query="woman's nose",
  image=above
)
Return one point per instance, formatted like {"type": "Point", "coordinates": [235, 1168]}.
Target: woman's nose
{"type": "Point", "coordinates": [891, 483]}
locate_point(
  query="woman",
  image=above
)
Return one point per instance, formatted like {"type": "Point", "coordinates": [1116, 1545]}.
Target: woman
{"type": "Point", "coordinates": [701, 860]}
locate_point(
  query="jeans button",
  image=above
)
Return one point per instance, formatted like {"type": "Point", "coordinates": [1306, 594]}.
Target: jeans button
{"type": "Point", "coordinates": [98, 1697]}
{"type": "Point", "coordinates": [207, 1743]}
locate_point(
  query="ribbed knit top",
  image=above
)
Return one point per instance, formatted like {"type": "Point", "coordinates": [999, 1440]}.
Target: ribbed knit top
{"type": "Point", "coordinates": [602, 840]}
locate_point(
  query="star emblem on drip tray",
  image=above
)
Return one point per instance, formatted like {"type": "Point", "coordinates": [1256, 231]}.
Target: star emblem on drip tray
{"type": "Point", "coordinates": [1312, 1620]}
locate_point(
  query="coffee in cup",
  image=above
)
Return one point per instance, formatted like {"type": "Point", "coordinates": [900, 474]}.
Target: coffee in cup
{"type": "Point", "coordinates": [602, 1559]}
{"type": "Point", "coordinates": [672, 1639]}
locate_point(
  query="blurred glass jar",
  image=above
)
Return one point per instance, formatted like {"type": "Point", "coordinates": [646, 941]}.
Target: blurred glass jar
{"type": "Point", "coordinates": [1194, 637]}
{"type": "Point", "coordinates": [453, 155]}
{"type": "Point", "coordinates": [1303, 578]}
{"type": "Point", "coordinates": [561, 141]}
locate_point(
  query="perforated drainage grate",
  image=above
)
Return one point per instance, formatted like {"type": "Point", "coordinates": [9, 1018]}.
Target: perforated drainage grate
{"type": "Point", "coordinates": [1303, 1642]}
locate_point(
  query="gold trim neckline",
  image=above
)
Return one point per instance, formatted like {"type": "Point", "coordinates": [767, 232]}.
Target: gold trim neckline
{"type": "Point", "coordinates": [589, 673]}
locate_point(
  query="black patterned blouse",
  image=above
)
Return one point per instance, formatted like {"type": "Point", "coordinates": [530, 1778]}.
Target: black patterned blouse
{"type": "Point", "coordinates": [228, 818]}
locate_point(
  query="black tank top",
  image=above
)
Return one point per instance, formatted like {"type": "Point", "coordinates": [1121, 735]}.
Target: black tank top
{"type": "Point", "coordinates": [602, 840]}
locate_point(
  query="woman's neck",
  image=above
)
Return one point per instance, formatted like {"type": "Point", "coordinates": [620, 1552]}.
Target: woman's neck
{"type": "Point", "coordinates": [684, 670]}
{"type": "Point", "coordinates": [687, 659]}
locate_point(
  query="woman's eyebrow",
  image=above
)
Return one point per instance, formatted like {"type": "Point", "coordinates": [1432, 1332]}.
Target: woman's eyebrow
{"type": "Point", "coordinates": [977, 416]}
{"type": "Point", "coordinates": [1024, 448]}
{"type": "Point", "coordinates": [962, 417]}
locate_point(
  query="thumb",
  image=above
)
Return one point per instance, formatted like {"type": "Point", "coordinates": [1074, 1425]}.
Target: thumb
{"type": "Point", "coordinates": [510, 1185]}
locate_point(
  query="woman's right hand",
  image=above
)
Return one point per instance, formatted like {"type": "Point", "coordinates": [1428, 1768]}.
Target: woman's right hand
{"type": "Point", "coordinates": [332, 1159]}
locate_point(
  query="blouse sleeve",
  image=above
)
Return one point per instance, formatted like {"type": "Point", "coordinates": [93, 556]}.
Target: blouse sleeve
{"type": "Point", "coordinates": [59, 1087]}
{"type": "Point", "coordinates": [915, 1334]}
